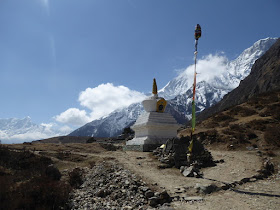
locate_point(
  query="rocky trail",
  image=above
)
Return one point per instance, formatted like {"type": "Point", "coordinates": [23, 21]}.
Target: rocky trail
{"type": "Point", "coordinates": [132, 180]}
{"type": "Point", "coordinates": [229, 185]}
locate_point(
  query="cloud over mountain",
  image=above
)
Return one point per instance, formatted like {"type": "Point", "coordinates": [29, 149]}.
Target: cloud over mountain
{"type": "Point", "coordinates": [100, 101]}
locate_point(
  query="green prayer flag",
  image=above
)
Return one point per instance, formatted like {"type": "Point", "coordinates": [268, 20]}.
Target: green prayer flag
{"type": "Point", "coordinates": [193, 115]}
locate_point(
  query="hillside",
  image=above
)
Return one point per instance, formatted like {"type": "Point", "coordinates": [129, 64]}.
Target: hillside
{"type": "Point", "coordinates": [253, 124]}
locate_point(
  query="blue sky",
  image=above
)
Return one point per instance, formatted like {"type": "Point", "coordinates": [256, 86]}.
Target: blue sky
{"type": "Point", "coordinates": [58, 56]}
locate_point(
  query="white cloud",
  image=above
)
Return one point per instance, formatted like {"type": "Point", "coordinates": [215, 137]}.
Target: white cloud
{"type": "Point", "coordinates": [207, 68]}
{"type": "Point", "coordinates": [65, 129]}
{"type": "Point", "coordinates": [73, 116]}
{"type": "Point", "coordinates": [100, 101]}
{"type": "Point", "coordinates": [106, 98]}
{"type": "Point", "coordinates": [48, 126]}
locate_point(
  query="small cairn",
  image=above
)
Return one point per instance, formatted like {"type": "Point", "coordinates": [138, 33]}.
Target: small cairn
{"type": "Point", "coordinates": [175, 153]}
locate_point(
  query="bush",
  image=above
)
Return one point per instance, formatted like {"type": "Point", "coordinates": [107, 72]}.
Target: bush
{"type": "Point", "coordinates": [53, 173]}
{"type": "Point", "coordinates": [272, 135]}
{"type": "Point", "coordinates": [76, 178]}
{"type": "Point", "coordinates": [258, 124]}
{"type": "Point", "coordinates": [24, 161]}
{"type": "Point", "coordinates": [26, 182]}
{"type": "Point", "coordinates": [91, 140]}
{"type": "Point", "coordinates": [109, 147]}
{"type": "Point", "coordinates": [222, 117]}
{"type": "Point", "coordinates": [42, 193]}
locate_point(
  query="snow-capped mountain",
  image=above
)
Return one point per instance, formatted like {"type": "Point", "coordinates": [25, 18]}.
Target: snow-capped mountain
{"type": "Point", "coordinates": [210, 90]}
{"type": "Point", "coordinates": [112, 124]}
{"type": "Point", "coordinates": [21, 130]}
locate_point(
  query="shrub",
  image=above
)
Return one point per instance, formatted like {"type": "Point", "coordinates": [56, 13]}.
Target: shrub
{"type": "Point", "coordinates": [23, 160]}
{"type": "Point", "coordinates": [91, 140]}
{"type": "Point", "coordinates": [222, 117]}
{"type": "Point", "coordinates": [242, 111]}
{"type": "Point", "coordinates": [272, 135]}
{"type": "Point", "coordinates": [109, 147]}
{"type": "Point", "coordinates": [53, 173]}
{"type": "Point", "coordinates": [42, 193]}
{"type": "Point", "coordinates": [258, 124]}
{"type": "Point", "coordinates": [76, 177]}
{"type": "Point", "coordinates": [30, 183]}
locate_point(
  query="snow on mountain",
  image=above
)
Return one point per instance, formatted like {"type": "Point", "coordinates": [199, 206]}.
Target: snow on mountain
{"type": "Point", "coordinates": [227, 77]}
{"type": "Point", "coordinates": [211, 87]}
{"type": "Point", "coordinates": [213, 90]}
{"type": "Point", "coordinates": [15, 130]}
{"type": "Point", "coordinates": [112, 124]}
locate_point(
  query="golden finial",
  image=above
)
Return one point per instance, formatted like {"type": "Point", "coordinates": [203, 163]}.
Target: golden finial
{"type": "Point", "coordinates": [155, 87]}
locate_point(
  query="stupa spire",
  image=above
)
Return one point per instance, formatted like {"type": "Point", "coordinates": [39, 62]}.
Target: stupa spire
{"type": "Point", "coordinates": [154, 87]}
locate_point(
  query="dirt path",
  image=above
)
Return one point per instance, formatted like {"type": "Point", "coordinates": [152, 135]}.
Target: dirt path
{"type": "Point", "coordinates": [264, 194]}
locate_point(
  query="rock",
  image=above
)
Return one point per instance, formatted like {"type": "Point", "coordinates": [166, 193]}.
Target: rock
{"type": "Point", "coordinates": [225, 186]}
{"type": "Point", "coordinates": [245, 180]}
{"type": "Point", "coordinates": [127, 208]}
{"type": "Point", "coordinates": [149, 194]}
{"type": "Point", "coordinates": [207, 189]}
{"type": "Point", "coordinates": [164, 165]}
{"type": "Point", "coordinates": [164, 197]}
{"type": "Point", "coordinates": [153, 201]}
{"type": "Point", "coordinates": [166, 207]}
{"type": "Point", "coordinates": [193, 198]}
{"type": "Point", "coordinates": [253, 179]}
{"type": "Point", "coordinates": [188, 171]}
{"type": "Point", "coordinates": [100, 193]}
{"type": "Point", "coordinates": [140, 158]}
{"type": "Point", "coordinates": [269, 167]}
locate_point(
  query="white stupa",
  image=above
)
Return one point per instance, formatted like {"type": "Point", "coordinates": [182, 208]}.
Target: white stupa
{"type": "Point", "coordinates": [154, 126]}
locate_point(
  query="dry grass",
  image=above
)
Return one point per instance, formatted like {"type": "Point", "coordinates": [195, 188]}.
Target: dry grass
{"type": "Point", "coordinates": [29, 182]}
{"type": "Point", "coordinates": [255, 122]}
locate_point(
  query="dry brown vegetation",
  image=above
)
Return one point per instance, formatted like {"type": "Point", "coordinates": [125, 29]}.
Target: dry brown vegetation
{"type": "Point", "coordinates": [254, 123]}
{"type": "Point", "coordinates": [41, 175]}
{"type": "Point", "coordinates": [29, 182]}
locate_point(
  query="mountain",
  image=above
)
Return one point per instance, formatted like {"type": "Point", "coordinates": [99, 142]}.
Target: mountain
{"type": "Point", "coordinates": [117, 121]}
{"type": "Point", "coordinates": [20, 130]}
{"type": "Point", "coordinates": [211, 91]}
{"type": "Point", "coordinates": [179, 92]}
{"type": "Point", "coordinates": [112, 124]}
{"type": "Point", "coordinates": [264, 77]}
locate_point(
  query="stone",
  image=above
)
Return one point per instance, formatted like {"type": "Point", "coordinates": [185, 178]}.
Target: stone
{"type": "Point", "coordinates": [225, 186]}
{"type": "Point", "coordinates": [149, 194]}
{"type": "Point", "coordinates": [206, 189]}
{"type": "Point", "coordinates": [188, 171]}
{"type": "Point", "coordinates": [100, 193]}
{"type": "Point", "coordinates": [153, 201]}
{"type": "Point", "coordinates": [245, 180]}
{"type": "Point", "coordinates": [164, 197]}
{"type": "Point", "coordinates": [193, 198]}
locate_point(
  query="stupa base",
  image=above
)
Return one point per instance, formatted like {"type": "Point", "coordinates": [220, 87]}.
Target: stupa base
{"type": "Point", "coordinates": [141, 148]}
{"type": "Point", "coordinates": [144, 144]}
